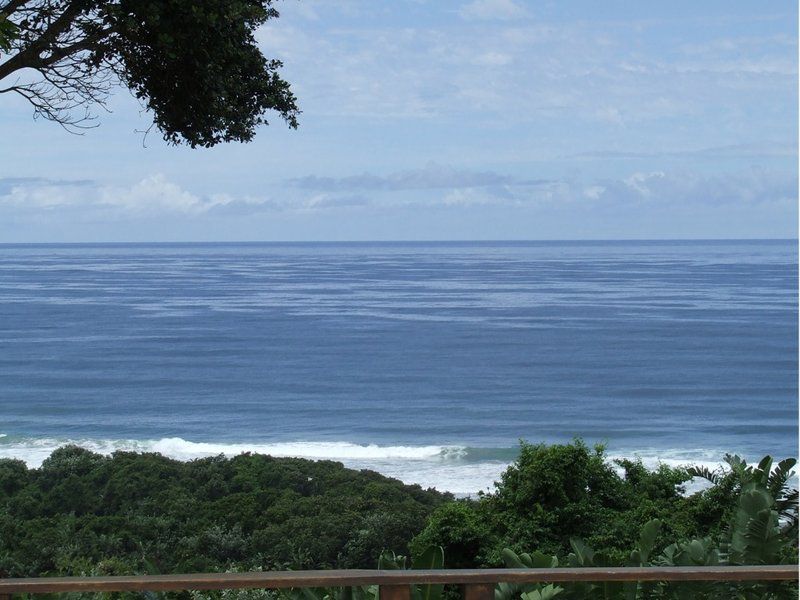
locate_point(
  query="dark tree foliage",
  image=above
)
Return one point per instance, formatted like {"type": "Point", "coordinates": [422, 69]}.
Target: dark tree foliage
{"type": "Point", "coordinates": [195, 65]}
{"type": "Point", "coordinates": [554, 493]}
{"type": "Point", "coordinates": [83, 513]}
{"type": "Point", "coordinates": [137, 513]}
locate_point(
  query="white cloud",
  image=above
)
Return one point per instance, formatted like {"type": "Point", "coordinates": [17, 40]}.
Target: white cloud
{"type": "Point", "coordinates": [610, 114]}
{"type": "Point", "coordinates": [429, 187]}
{"type": "Point", "coordinates": [152, 195]}
{"type": "Point", "coordinates": [493, 59]}
{"type": "Point", "coordinates": [45, 196]}
{"type": "Point", "coordinates": [750, 150]}
{"type": "Point", "coordinates": [593, 192]}
{"type": "Point", "coordinates": [657, 191]}
{"type": "Point", "coordinates": [497, 65]}
{"type": "Point", "coordinates": [468, 197]}
{"type": "Point", "coordinates": [750, 189]}
{"type": "Point", "coordinates": [640, 182]}
{"type": "Point", "coordinates": [328, 201]}
{"type": "Point", "coordinates": [430, 177]}
{"type": "Point", "coordinates": [492, 9]}
{"type": "Point", "coordinates": [155, 194]}
{"type": "Point", "coordinates": [646, 203]}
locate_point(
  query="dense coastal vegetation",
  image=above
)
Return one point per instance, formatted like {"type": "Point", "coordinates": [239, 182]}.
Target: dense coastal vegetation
{"type": "Point", "coordinates": [82, 513]}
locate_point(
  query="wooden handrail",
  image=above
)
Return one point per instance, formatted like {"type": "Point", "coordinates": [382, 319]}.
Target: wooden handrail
{"type": "Point", "coordinates": [394, 584]}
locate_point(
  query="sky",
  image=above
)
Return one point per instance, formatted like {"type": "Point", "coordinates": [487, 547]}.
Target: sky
{"type": "Point", "coordinates": [454, 120]}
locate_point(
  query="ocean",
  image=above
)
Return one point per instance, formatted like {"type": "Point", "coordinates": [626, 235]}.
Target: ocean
{"type": "Point", "coordinates": [424, 361]}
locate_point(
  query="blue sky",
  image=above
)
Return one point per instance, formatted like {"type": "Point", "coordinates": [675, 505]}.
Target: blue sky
{"type": "Point", "coordinates": [471, 119]}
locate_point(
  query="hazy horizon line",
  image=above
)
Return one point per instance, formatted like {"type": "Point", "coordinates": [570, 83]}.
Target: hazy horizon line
{"type": "Point", "coordinates": [396, 241]}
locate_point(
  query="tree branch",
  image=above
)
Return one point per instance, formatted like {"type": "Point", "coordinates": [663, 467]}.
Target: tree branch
{"type": "Point", "coordinates": [12, 6]}
{"type": "Point", "coordinates": [85, 44]}
{"type": "Point", "coordinates": [196, 66]}
{"type": "Point", "coordinates": [30, 56]}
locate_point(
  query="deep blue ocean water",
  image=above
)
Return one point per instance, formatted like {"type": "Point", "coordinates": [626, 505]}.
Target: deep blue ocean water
{"type": "Point", "coordinates": [426, 361]}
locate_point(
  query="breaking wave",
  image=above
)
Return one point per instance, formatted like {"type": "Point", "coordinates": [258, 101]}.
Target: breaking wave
{"type": "Point", "coordinates": [462, 470]}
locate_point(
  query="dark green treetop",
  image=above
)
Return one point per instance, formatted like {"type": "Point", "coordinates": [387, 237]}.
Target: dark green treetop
{"type": "Point", "coordinates": [195, 66]}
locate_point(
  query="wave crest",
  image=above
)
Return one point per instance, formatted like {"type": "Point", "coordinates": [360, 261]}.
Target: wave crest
{"type": "Point", "coordinates": [34, 450]}
{"type": "Point", "coordinates": [458, 469]}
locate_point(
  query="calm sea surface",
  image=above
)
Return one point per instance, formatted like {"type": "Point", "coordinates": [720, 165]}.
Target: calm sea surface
{"type": "Point", "coordinates": [424, 361]}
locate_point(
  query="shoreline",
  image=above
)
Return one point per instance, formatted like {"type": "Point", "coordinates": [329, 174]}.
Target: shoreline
{"type": "Point", "coordinates": [458, 469]}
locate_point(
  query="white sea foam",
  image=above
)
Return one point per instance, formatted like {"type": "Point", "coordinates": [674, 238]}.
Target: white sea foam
{"type": "Point", "coordinates": [31, 449]}
{"type": "Point", "coordinates": [653, 457]}
{"type": "Point", "coordinates": [447, 468]}
{"type": "Point", "coordinates": [442, 467]}
{"type": "Point", "coordinates": [699, 457]}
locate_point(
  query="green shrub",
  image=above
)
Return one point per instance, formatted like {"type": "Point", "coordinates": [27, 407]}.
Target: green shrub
{"type": "Point", "coordinates": [554, 493]}
{"type": "Point", "coordinates": [140, 511]}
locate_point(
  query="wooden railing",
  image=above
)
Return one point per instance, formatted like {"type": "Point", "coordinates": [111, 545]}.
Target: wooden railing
{"type": "Point", "coordinates": [478, 584]}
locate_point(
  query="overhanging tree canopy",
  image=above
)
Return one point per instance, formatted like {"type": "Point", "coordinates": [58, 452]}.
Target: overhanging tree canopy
{"type": "Point", "coordinates": [195, 65]}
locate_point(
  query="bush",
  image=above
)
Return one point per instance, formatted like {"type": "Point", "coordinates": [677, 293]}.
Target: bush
{"type": "Point", "coordinates": [554, 493]}
{"type": "Point", "coordinates": [144, 511]}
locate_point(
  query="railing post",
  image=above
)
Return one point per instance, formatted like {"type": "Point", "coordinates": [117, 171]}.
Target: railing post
{"type": "Point", "coordinates": [394, 592]}
{"type": "Point", "coordinates": [478, 591]}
